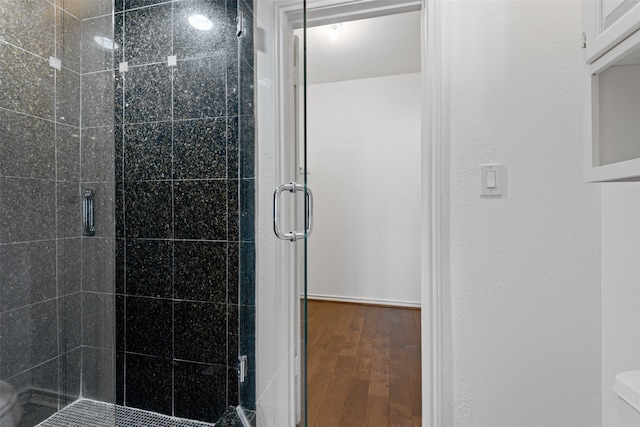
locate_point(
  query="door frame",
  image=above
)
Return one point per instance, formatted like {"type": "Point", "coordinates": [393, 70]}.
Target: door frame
{"type": "Point", "coordinates": [288, 16]}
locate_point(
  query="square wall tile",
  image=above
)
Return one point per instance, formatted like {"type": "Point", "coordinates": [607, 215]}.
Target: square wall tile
{"type": "Point", "coordinates": [98, 374]}
{"type": "Point", "coordinates": [29, 337]}
{"type": "Point", "coordinates": [119, 205]}
{"type": "Point", "coordinates": [200, 332]}
{"type": "Point", "coordinates": [98, 99]}
{"type": "Point", "coordinates": [233, 211]}
{"type": "Point", "coordinates": [30, 91]}
{"type": "Point", "coordinates": [233, 279]}
{"type": "Point", "coordinates": [149, 326]}
{"type": "Point", "coordinates": [147, 151]}
{"type": "Point", "coordinates": [199, 88]}
{"type": "Point", "coordinates": [200, 149]}
{"type": "Point", "coordinates": [147, 34]}
{"type": "Point", "coordinates": [246, 93]}
{"type": "Point", "coordinates": [29, 24]}
{"type": "Point", "coordinates": [149, 265]}
{"type": "Point", "coordinates": [190, 42]}
{"type": "Point", "coordinates": [69, 40]}
{"type": "Point", "coordinates": [201, 210]}
{"type": "Point", "coordinates": [148, 209]}
{"type": "Point", "coordinates": [201, 271]}
{"type": "Point", "coordinates": [246, 43]}
{"type": "Point", "coordinates": [148, 383]}
{"type": "Point", "coordinates": [74, 7]}
{"type": "Point", "coordinates": [68, 209]}
{"type": "Point", "coordinates": [118, 98]}
{"type": "Point", "coordinates": [27, 211]}
{"type": "Point", "coordinates": [246, 147]}
{"type": "Point", "coordinates": [190, 402]}
{"type": "Point", "coordinates": [98, 264]}
{"type": "Point", "coordinates": [247, 273]}
{"type": "Point", "coordinates": [27, 145]}
{"type": "Point", "coordinates": [27, 273]}
{"type": "Point", "coordinates": [43, 377]}
{"type": "Point", "coordinates": [120, 377]}
{"type": "Point", "coordinates": [98, 48]}
{"type": "Point", "coordinates": [98, 320]}
{"type": "Point", "coordinates": [93, 8]}
{"type": "Point", "coordinates": [119, 153]}
{"type": "Point", "coordinates": [98, 151]}
{"type": "Point", "coordinates": [118, 37]}
{"type": "Point", "coordinates": [70, 321]}
{"type": "Point", "coordinates": [70, 367]}
{"type": "Point", "coordinates": [148, 94]}
{"type": "Point", "coordinates": [232, 148]}
{"type": "Point", "coordinates": [120, 265]}
{"type": "Point", "coordinates": [247, 208]}
{"type": "Point", "coordinates": [68, 97]}
{"type": "Point", "coordinates": [67, 153]}
{"type": "Point", "coordinates": [69, 273]}
{"type": "Point", "coordinates": [120, 322]}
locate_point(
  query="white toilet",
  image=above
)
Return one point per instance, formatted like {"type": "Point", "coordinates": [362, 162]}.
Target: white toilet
{"type": "Point", "coordinates": [10, 406]}
{"type": "Point", "coordinates": [627, 387]}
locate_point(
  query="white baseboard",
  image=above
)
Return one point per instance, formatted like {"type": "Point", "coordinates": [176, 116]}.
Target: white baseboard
{"type": "Point", "coordinates": [359, 300]}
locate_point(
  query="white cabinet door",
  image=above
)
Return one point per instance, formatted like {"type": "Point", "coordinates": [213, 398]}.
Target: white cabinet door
{"type": "Point", "coordinates": [608, 22]}
{"type": "Point", "coordinates": [612, 122]}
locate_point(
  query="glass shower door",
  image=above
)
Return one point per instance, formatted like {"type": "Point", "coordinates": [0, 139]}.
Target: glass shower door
{"type": "Point", "coordinates": [246, 332]}
{"type": "Point", "coordinates": [57, 275]}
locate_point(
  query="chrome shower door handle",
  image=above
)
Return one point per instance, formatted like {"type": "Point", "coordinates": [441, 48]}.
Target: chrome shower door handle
{"type": "Point", "coordinates": [293, 235]}
{"type": "Point", "coordinates": [88, 213]}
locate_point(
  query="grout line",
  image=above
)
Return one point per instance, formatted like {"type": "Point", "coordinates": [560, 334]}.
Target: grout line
{"type": "Point", "coordinates": [173, 228]}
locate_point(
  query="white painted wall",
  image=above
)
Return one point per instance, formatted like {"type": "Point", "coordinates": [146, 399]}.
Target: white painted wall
{"type": "Point", "coordinates": [620, 289]}
{"type": "Point", "coordinates": [364, 158]}
{"type": "Point", "coordinates": [524, 296]}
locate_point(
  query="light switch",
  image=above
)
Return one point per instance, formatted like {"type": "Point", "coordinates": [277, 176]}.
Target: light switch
{"type": "Point", "coordinates": [491, 180]}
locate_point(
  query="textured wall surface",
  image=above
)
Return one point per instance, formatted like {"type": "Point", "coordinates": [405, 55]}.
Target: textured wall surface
{"type": "Point", "coordinates": [364, 158]}
{"type": "Point", "coordinates": [524, 270]}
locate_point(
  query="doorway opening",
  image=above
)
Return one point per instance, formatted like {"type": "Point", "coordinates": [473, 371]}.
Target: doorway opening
{"type": "Point", "coordinates": [363, 145]}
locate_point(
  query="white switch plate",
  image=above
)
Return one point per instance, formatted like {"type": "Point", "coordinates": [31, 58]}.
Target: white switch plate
{"type": "Point", "coordinates": [487, 191]}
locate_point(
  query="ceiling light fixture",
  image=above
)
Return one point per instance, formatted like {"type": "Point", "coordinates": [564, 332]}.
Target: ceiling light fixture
{"type": "Point", "coordinates": [106, 43]}
{"type": "Point", "coordinates": [200, 22]}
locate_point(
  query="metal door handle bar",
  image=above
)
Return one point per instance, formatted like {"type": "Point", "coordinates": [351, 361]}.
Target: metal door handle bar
{"type": "Point", "coordinates": [293, 235]}
{"type": "Point", "coordinates": [88, 212]}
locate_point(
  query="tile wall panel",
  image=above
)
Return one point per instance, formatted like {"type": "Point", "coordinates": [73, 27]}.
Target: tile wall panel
{"type": "Point", "coordinates": [179, 207]}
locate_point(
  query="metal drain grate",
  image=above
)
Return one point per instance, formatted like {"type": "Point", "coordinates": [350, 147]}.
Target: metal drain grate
{"type": "Point", "coordinates": [89, 413]}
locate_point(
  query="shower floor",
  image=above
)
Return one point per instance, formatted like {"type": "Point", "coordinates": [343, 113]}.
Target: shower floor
{"type": "Point", "coordinates": [89, 413]}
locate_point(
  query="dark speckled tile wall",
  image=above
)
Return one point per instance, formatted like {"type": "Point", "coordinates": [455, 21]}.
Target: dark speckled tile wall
{"type": "Point", "coordinates": [181, 206]}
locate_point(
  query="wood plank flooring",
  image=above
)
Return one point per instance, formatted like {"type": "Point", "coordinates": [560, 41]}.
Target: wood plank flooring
{"type": "Point", "coordinates": [363, 365]}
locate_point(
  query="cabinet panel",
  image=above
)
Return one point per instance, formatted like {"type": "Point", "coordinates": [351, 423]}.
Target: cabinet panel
{"type": "Point", "coordinates": [608, 22]}
{"type": "Point", "coordinates": [619, 114]}
{"type": "Point", "coordinates": [612, 131]}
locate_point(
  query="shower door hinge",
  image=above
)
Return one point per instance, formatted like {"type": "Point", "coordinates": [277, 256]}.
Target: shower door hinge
{"type": "Point", "coordinates": [240, 25]}
{"type": "Point", "coordinates": [242, 368]}
{"type": "Point", "coordinates": [583, 41]}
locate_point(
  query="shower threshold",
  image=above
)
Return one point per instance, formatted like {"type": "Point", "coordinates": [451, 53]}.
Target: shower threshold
{"type": "Point", "coordinates": [90, 413]}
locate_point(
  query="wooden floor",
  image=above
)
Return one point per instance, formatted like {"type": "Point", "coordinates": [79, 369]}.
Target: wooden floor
{"type": "Point", "coordinates": [364, 365]}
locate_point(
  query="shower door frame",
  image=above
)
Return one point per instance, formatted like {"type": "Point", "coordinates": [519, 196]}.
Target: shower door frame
{"type": "Point", "coordinates": [288, 15]}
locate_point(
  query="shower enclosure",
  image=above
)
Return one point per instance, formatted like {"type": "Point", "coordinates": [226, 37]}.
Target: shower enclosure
{"type": "Point", "coordinates": [127, 256]}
